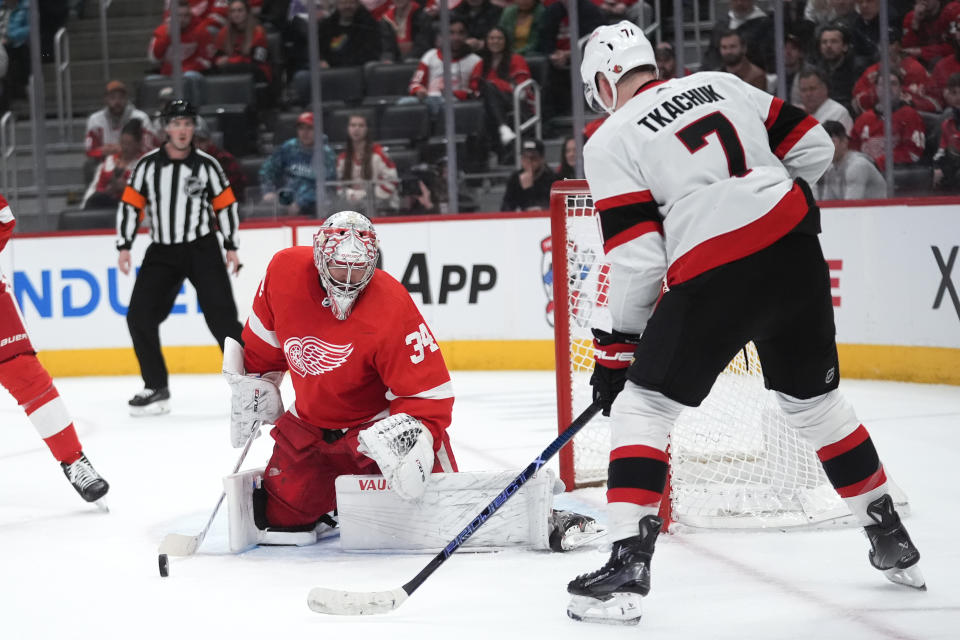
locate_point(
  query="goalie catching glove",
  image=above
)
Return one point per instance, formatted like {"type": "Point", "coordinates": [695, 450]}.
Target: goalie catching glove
{"type": "Point", "coordinates": [403, 449]}
{"type": "Point", "coordinates": [613, 353]}
{"type": "Point", "coordinates": [253, 397]}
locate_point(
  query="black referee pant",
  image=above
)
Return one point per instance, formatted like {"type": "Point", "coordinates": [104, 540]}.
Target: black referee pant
{"type": "Point", "coordinates": [164, 268]}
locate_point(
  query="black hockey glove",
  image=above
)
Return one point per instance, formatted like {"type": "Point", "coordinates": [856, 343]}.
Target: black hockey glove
{"type": "Point", "coordinates": [613, 353]}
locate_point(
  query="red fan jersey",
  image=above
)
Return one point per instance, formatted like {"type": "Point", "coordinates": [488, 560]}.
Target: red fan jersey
{"type": "Point", "coordinates": [6, 225]}
{"type": "Point", "coordinates": [909, 135]}
{"type": "Point", "coordinates": [380, 361]}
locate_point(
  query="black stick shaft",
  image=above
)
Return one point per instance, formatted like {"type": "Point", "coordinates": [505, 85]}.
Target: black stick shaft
{"type": "Point", "coordinates": [501, 499]}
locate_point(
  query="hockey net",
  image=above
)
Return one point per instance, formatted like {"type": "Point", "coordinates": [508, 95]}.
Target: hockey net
{"type": "Point", "coordinates": [734, 462]}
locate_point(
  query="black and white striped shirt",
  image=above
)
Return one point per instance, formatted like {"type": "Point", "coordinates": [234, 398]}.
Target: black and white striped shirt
{"type": "Point", "coordinates": [181, 197]}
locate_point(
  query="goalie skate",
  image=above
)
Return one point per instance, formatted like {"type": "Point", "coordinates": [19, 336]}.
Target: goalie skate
{"type": "Point", "coordinates": [570, 530]}
{"type": "Point", "coordinates": [892, 551]}
{"type": "Point", "coordinates": [613, 593]}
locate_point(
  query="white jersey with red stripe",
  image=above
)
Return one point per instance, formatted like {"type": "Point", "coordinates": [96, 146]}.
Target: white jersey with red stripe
{"type": "Point", "coordinates": [380, 361]}
{"type": "Point", "coordinates": [692, 173]}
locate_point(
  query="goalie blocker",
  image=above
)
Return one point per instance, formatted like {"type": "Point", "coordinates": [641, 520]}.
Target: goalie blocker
{"type": "Point", "coordinates": [372, 517]}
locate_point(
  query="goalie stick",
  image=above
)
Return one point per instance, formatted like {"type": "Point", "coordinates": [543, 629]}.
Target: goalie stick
{"type": "Point", "coordinates": [178, 544]}
{"type": "Point", "coordinates": [350, 603]}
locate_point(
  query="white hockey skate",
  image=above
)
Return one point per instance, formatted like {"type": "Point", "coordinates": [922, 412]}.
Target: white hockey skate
{"type": "Point", "coordinates": [613, 594]}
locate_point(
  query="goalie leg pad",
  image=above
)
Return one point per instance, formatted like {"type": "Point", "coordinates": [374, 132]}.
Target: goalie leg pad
{"type": "Point", "coordinates": [374, 518]}
{"type": "Point", "coordinates": [247, 525]}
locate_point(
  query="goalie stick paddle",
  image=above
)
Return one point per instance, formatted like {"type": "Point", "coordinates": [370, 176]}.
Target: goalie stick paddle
{"type": "Point", "coordinates": [353, 603]}
{"type": "Point", "coordinates": [178, 544]}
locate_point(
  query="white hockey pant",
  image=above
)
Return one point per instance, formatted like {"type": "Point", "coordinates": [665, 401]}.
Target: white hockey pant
{"type": "Point", "coordinates": [638, 417]}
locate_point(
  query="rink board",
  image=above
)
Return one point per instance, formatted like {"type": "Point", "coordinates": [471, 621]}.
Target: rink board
{"type": "Point", "coordinates": [484, 284]}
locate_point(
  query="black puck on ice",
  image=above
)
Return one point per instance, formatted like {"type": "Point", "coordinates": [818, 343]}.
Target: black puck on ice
{"type": "Point", "coordinates": [164, 563]}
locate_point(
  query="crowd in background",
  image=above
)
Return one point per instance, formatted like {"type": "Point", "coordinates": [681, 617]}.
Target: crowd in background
{"type": "Point", "coordinates": [831, 55]}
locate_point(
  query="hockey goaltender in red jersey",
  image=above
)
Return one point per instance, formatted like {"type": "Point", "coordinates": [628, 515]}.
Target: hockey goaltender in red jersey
{"type": "Point", "coordinates": [359, 354]}
{"type": "Point", "coordinates": [30, 384]}
{"type": "Point", "coordinates": [373, 396]}
{"type": "Point", "coordinates": [701, 184]}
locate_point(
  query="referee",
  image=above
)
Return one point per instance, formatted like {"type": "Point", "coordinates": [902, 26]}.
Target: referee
{"type": "Point", "coordinates": [188, 199]}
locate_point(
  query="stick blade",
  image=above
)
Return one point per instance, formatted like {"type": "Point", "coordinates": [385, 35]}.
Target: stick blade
{"type": "Point", "coordinates": [354, 603]}
{"type": "Point", "coordinates": [177, 544]}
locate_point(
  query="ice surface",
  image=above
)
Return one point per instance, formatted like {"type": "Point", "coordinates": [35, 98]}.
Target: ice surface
{"type": "Point", "coordinates": [69, 571]}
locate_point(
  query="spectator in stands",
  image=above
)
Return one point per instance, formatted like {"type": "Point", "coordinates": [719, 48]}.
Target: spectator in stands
{"type": "Point", "coordinates": [374, 173]}
{"type": "Point", "coordinates": [866, 23]}
{"type": "Point", "coordinates": [209, 14]}
{"type": "Point", "coordinates": [916, 81]}
{"type": "Point", "coordinates": [815, 101]}
{"type": "Point", "coordinates": [407, 31]}
{"type": "Point", "coordinates": [947, 65]}
{"type": "Point", "coordinates": [15, 36]}
{"type": "Point", "coordinates": [852, 175]}
{"type": "Point", "coordinates": [426, 85]}
{"type": "Point", "coordinates": [480, 16]}
{"type": "Point", "coordinates": [793, 55]}
{"type": "Point", "coordinates": [287, 177]}
{"type": "Point", "coordinates": [567, 169]}
{"type": "Point", "coordinates": [349, 37]}
{"type": "Point", "coordinates": [946, 162]}
{"type": "Point", "coordinates": [203, 140]}
{"type": "Point", "coordinates": [242, 45]}
{"type": "Point", "coordinates": [521, 21]}
{"type": "Point", "coordinates": [529, 187]}
{"type": "Point", "coordinates": [377, 8]}
{"type": "Point", "coordinates": [667, 61]}
{"type": "Point", "coordinates": [756, 27]}
{"type": "Point", "coordinates": [554, 41]}
{"type": "Point", "coordinates": [112, 174]}
{"type": "Point", "coordinates": [423, 190]}
{"type": "Point", "coordinates": [733, 54]}
{"type": "Point", "coordinates": [104, 127]}
{"type": "Point", "coordinates": [196, 43]}
{"type": "Point", "coordinates": [837, 63]}
{"type": "Point", "coordinates": [864, 50]}
{"type": "Point", "coordinates": [909, 132]}
{"type": "Point", "coordinates": [926, 30]}
{"type": "Point", "coordinates": [493, 80]}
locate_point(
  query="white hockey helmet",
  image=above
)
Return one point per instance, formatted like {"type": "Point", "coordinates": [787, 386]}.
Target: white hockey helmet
{"type": "Point", "coordinates": [348, 243]}
{"type": "Point", "coordinates": [613, 50]}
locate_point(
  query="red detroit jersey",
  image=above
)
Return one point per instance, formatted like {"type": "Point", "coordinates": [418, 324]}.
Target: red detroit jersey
{"type": "Point", "coordinates": [381, 360]}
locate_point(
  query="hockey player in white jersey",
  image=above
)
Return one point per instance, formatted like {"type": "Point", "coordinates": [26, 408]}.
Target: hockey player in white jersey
{"type": "Point", "coordinates": [711, 233]}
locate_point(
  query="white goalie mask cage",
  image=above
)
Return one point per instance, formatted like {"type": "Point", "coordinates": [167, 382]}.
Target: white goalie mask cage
{"type": "Point", "coordinates": [346, 240]}
{"type": "Point", "coordinates": [613, 50]}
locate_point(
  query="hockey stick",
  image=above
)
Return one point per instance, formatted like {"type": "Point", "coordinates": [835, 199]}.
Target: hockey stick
{"type": "Point", "coordinates": [351, 603]}
{"type": "Point", "coordinates": [178, 544]}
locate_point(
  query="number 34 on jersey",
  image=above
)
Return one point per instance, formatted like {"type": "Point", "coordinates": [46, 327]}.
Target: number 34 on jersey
{"type": "Point", "coordinates": [421, 341]}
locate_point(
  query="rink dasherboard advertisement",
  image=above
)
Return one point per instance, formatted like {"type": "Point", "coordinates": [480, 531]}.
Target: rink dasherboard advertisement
{"type": "Point", "coordinates": [483, 284]}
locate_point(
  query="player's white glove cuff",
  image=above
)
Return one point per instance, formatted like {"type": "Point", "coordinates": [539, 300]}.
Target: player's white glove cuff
{"type": "Point", "coordinates": [403, 449]}
{"type": "Point", "coordinates": [253, 397]}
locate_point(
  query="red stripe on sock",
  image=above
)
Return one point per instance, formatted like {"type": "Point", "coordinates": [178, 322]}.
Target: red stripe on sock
{"type": "Point", "coordinates": [641, 497]}
{"type": "Point", "coordinates": [840, 447]}
{"type": "Point", "coordinates": [50, 393]}
{"type": "Point", "coordinates": [638, 451]}
{"type": "Point", "coordinates": [863, 487]}
{"type": "Point", "coordinates": [64, 445]}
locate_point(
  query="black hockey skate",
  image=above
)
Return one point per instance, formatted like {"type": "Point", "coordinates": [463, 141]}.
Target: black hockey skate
{"type": "Point", "coordinates": [570, 530]}
{"type": "Point", "coordinates": [612, 594]}
{"type": "Point", "coordinates": [85, 479]}
{"type": "Point", "coordinates": [892, 550]}
{"type": "Point", "coordinates": [150, 402]}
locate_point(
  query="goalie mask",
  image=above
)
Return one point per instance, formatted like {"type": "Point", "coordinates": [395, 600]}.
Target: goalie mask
{"type": "Point", "coordinates": [613, 50]}
{"type": "Point", "coordinates": [345, 250]}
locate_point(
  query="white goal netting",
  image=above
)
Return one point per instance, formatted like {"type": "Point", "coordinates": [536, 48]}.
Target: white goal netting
{"type": "Point", "coordinates": [734, 462]}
